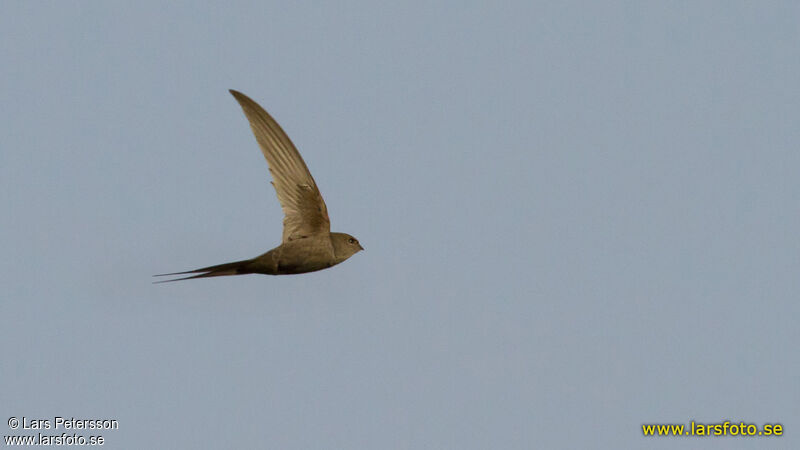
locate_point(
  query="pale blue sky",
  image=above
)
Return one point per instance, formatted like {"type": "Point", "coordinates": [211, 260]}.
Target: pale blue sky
{"type": "Point", "coordinates": [578, 217]}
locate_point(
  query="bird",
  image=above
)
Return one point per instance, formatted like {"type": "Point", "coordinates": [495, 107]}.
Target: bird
{"type": "Point", "coordinates": [307, 244]}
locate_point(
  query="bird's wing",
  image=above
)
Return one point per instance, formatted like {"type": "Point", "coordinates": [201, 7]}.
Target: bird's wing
{"type": "Point", "coordinates": [305, 213]}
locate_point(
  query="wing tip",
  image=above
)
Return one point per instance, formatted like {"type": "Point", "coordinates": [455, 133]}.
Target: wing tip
{"type": "Point", "coordinates": [238, 95]}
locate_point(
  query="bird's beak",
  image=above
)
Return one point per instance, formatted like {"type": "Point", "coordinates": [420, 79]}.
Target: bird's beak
{"type": "Point", "coordinates": [359, 246]}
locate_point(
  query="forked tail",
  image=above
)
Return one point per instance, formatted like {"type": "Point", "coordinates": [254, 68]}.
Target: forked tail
{"type": "Point", "coordinates": [232, 268]}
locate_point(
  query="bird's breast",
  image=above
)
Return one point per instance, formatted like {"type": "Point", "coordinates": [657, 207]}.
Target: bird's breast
{"type": "Point", "coordinates": [305, 255]}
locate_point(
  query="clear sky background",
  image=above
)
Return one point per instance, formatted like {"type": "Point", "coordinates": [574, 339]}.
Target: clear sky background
{"type": "Point", "coordinates": [578, 217]}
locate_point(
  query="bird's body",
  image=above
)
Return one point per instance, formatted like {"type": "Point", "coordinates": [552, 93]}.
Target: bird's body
{"type": "Point", "coordinates": [308, 244]}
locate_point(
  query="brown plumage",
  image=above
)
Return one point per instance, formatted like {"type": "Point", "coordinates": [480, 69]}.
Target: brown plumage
{"type": "Point", "coordinates": [308, 244]}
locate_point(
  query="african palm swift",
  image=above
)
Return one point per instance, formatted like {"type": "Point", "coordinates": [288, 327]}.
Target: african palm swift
{"type": "Point", "coordinates": [308, 244]}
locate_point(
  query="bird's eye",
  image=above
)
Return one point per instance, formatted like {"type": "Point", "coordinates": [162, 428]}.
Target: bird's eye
{"type": "Point", "coordinates": [351, 240]}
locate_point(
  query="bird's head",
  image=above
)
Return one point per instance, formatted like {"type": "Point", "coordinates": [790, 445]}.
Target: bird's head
{"type": "Point", "coordinates": [345, 246]}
